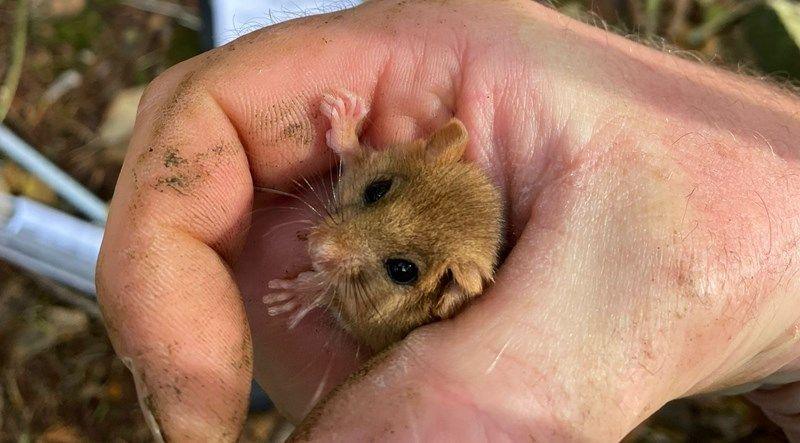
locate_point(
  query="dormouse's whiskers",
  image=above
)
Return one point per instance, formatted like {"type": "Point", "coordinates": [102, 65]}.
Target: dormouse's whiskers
{"type": "Point", "coordinates": [288, 223]}
{"type": "Point", "coordinates": [314, 192]}
{"type": "Point", "coordinates": [290, 195]}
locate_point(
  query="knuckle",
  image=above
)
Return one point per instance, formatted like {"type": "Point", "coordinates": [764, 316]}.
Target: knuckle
{"type": "Point", "coordinates": [168, 86]}
{"type": "Point", "coordinates": [156, 92]}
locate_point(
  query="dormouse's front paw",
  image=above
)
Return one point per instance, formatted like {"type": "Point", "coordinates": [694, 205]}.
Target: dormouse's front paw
{"type": "Point", "coordinates": [346, 112]}
{"type": "Point", "coordinates": [297, 296]}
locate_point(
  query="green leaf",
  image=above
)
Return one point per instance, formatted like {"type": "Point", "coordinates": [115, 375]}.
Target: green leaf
{"type": "Point", "coordinates": [789, 13]}
{"type": "Point", "coordinates": [774, 49]}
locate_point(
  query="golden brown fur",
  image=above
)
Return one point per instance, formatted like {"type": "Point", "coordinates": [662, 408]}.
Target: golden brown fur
{"type": "Point", "coordinates": [440, 212]}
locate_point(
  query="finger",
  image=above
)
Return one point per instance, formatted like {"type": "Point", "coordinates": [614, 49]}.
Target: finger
{"type": "Point", "coordinates": [204, 135]}
{"type": "Point", "coordinates": [169, 301]}
{"type": "Point", "coordinates": [496, 369]}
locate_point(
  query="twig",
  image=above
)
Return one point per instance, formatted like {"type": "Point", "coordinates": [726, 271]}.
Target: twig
{"type": "Point", "coordinates": [19, 38]}
{"type": "Point", "coordinates": [37, 164]}
{"type": "Point", "coordinates": [169, 9]}
{"type": "Point", "coordinates": [2, 392]}
{"type": "Point", "coordinates": [68, 296]}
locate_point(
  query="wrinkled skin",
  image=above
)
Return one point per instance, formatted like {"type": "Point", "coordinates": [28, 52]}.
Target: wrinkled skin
{"type": "Point", "coordinates": [653, 204]}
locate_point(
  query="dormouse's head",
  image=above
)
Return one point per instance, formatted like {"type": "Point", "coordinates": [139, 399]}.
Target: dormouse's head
{"type": "Point", "coordinates": [415, 235]}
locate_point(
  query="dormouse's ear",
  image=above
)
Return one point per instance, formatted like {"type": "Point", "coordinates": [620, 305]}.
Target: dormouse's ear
{"type": "Point", "coordinates": [448, 143]}
{"type": "Point", "coordinates": [467, 282]}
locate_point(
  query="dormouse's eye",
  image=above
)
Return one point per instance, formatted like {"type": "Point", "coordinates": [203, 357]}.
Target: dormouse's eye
{"type": "Point", "coordinates": [376, 190]}
{"type": "Point", "coordinates": [401, 271]}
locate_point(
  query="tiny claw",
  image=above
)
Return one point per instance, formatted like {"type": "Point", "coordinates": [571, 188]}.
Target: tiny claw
{"type": "Point", "coordinates": [296, 296]}
{"type": "Point", "coordinates": [340, 106]}
{"type": "Point", "coordinates": [280, 284]}
{"type": "Point", "coordinates": [354, 104]}
{"type": "Point", "coordinates": [347, 97]}
{"type": "Point", "coordinates": [277, 297]}
{"type": "Point", "coordinates": [326, 109]}
{"type": "Point", "coordinates": [330, 139]}
{"type": "Point", "coordinates": [282, 309]}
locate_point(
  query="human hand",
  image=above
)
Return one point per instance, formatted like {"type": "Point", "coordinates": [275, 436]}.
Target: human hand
{"type": "Point", "coordinates": [652, 206]}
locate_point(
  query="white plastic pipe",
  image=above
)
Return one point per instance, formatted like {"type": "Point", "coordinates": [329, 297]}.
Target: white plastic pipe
{"type": "Point", "coordinates": [48, 242]}
{"type": "Point", "coordinates": [233, 18]}
{"type": "Point", "coordinates": [64, 185]}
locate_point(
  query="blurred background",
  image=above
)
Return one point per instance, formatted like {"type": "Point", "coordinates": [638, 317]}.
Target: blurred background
{"type": "Point", "coordinates": [71, 74]}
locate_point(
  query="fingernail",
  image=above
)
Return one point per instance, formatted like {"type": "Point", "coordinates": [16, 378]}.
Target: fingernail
{"type": "Point", "coordinates": [145, 400]}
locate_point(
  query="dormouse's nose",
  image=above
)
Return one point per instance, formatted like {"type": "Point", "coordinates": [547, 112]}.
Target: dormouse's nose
{"type": "Point", "coordinates": [325, 252]}
{"type": "Point", "coordinates": [331, 253]}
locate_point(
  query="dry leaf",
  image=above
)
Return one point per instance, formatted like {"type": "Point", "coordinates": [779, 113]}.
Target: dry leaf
{"type": "Point", "coordinates": [19, 182]}
{"type": "Point", "coordinates": [57, 8]}
{"type": "Point", "coordinates": [60, 434]}
{"type": "Point", "coordinates": [117, 126]}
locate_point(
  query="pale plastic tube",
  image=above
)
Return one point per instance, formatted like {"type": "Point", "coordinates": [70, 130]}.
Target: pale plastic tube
{"type": "Point", "coordinates": [231, 19]}
{"type": "Point", "coordinates": [22, 153]}
{"type": "Point", "coordinates": [50, 243]}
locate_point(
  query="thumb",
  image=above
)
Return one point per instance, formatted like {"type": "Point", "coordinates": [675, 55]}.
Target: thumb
{"type": "Point", "coordinates": [499, 368]}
